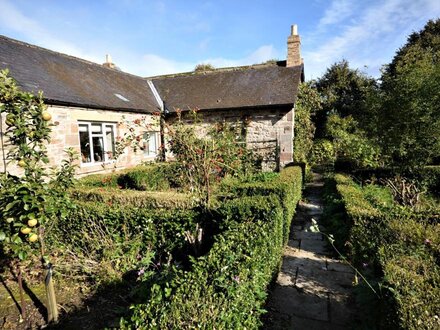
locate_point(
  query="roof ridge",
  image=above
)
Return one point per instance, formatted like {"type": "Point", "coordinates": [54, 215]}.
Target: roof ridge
{"type": "Point", "coordinates": [68, 56]}
{"type": "Point", "coordinates": [224, 69]}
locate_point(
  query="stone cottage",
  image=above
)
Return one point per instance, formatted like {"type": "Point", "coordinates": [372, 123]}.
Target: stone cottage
{"type": "Point", "coordinates": [89, 101]}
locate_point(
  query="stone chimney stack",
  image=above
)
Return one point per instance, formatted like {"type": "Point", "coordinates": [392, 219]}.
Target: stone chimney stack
{"type": "Point", "coordinates": [108, 62]}
{"type": "Point", "coordinates": [294, 48]}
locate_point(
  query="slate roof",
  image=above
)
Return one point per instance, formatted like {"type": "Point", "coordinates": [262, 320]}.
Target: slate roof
{"type": "Point", "coordinates": [72, 81]}
{"type": "Point", "coordinates": [254, 86]}
{"type": "Point", "coordinates": [68, 80]}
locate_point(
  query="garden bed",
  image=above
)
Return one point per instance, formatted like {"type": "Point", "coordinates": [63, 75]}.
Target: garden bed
{"type": "Point", "coordinates": [151, 257]}
{"type": "Point", "coordinates": [394, 246]}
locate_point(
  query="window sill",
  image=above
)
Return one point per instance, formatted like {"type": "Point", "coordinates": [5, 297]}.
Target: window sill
{"type": "Point", "coordinates": [97, 163]}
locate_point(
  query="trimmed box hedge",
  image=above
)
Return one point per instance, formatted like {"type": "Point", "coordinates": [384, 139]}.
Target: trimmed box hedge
{"type": "Point", "coordinates": [143, 199]}
{"type": "Point", "coordinates": [160, 230]}
{"type": "Point", "coordinates": [152, 177]}
{"type": "Point", "coordinates": [226, 288]}
{"type": "Point", "coordinates": [403, 250]}
{"type": "Point", "coordinates": [287, 185]}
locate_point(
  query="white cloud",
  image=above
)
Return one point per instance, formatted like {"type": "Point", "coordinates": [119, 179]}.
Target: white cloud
{"type": "Point", "coordinates": [338, 11]}
{"type": "Point", "coordinates": [369, 38]}
{"type": "Point", "coordinates": [153, 65]}
{"type": "Point", "coordinates": [260, 55]}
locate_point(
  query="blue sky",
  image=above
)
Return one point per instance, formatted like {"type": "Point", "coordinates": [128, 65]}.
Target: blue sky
{"type": "Point", "coordinates": [160, 36]}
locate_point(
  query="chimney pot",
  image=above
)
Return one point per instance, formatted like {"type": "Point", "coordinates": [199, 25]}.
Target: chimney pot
{"type": "Point", "coordinates": [294, 29]}
{"type": "Point", "coordinates": [108, 62]}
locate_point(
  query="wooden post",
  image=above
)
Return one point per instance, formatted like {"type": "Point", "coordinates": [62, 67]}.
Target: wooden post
{"type": "Point", "coordinates": [20, 285]}
{"type": "Point", "coordinates": [52, 309]}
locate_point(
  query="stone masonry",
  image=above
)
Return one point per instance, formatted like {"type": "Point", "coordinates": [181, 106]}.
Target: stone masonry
{"type": "Point", "coordinates": [265, 128]}
{"type": "Point", "coordinates": [65, 134]}
{"type": "Point", "coordinates": [294, 48]}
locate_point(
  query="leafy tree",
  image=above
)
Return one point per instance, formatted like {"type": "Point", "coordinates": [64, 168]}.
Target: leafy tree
{"type": "Point", "coordinates": [32, 201]}
{"type": "Point", "coordinates": [344, 91]}
{"type": "Point", "coordinates": [351, 143]}
{"type": "Point", "coordinates": [410, 100]}
{"type": "Point", "coordinates": [205, 159]}
{"type": "Point", "coordinates": [308, 102]}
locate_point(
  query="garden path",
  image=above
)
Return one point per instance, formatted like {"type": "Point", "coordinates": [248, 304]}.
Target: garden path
{"type": "Point", "coordinates": [313, 290]}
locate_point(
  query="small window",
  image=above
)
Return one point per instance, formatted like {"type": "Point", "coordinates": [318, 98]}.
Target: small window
{"type": "Point", "coordinates": [97, 142]}
{"type": "Point", "coordinates": [151, 144]}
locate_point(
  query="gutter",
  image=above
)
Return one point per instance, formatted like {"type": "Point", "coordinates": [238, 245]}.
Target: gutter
{"type": "Point", "coordinates": [94, 106]}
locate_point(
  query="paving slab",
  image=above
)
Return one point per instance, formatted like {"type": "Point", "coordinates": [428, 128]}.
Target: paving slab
{"type": "Point", "coordinates": [313, 288]}
{"type": "Point", "coordinates": [341, 312]}
{"type": "Point", "coordinates": [293, 244]}
{"type": "Point", "coordinates": [286, 278]}
{"type": "Point", "coordinates": [292, 302]}
{"type": "Point", "coordinates": [300, 323]}
{"type": "Point", "coordinates": [338, 266]}
{"type": "Point", "coordinates": [310, 206]}
{"type": "Point", "coordinates": [316, 263]}
{"type": "Point", "coordinates": [291, 250]}
{"type": "Point", "coordinates": [315, 246]}
{"type": "Point", "coordinates": [302, 255]}
{"type": "Point", "coordinates": [302, 235]}
{"type": "Point", "coordinates": [317, 280]}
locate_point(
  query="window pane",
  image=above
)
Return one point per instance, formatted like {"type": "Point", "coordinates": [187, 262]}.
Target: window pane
{"type": "Point", "coordinates": [110, 141]}
{"type": "Point", "coordinates": [84, 143]}
{"type": "Point", "coordinates": [98, 149]}
{"type": "Point", "coordinates": [150, 143]}
{"type": "Point", "coordinates": [153, 144]}
{"type": "Point", "coordinates": [96, 128]}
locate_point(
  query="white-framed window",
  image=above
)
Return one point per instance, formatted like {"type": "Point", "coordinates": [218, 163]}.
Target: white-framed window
{"type": "Point", "coordinates": [97, 141]}
{"type": "Point", "coordinates": [150, 143]}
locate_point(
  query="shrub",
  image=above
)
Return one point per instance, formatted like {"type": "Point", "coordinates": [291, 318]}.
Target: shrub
{"type": "Point", "coordinates": [402, 247]}
{"type": "Point", "coordinates": [323, 152]}
{"type": "Point", "coordinates": [100, 180]}
{"type": "Point", "coordinates": [146, 177]}
{"type": "Point", "coordinates": [226, 288]}
{"type": "Point", "coordinates": [143, 199]}
{"type": "Point", "coordinates": [99, 234]}
{"type": "Point", "coordinates": [287, 186]}
{"type": "Point", "coordinates": [151, 177]}
{"type": "Point", "coordinates": [427, 177]}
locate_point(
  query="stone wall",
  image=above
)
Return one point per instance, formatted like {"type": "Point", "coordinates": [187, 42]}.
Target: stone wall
{"type": "Point", "coordinates": [65, 134]}
{"type": "Point", "coordinates": [266, 129]}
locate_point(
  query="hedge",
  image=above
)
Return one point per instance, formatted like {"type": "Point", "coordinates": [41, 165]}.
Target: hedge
{"type": "Point", "coordinates": [153, 177]}
{"type": "Point", "coordinates": [226, 288]}
{"type": "Point", "coordinates": [402, 250]}
{"type": "Point", "coordinates": [159, 230]}
{"type": "Point", "coordinates": [287, 186]}
{"type": "Point", "coordinates": [143, 199]}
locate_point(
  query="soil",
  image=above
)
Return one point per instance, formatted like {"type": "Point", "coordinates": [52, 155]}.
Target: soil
{"type": "Point", "coordinates": [79, 306]}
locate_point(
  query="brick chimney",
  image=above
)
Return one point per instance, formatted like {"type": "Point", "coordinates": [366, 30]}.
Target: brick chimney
{"type": "Point", "coordinates": [294, 48]}
{"type": "Point", "coordinates": [108, 62]}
